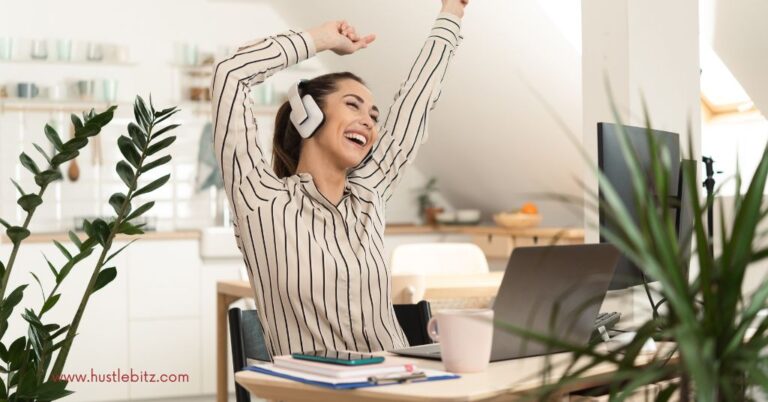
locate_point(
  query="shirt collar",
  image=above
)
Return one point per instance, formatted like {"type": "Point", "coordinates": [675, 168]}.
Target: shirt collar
{"type": "Point", "coordinates": [308, 183]}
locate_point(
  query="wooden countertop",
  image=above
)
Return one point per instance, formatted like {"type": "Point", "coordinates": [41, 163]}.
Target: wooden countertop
{"type": "Point", "coordinates": [46, 237]}
{"type": "Point", "coordinates": [192, 234]}
{"type": "Point", "coordinates": [480, 230]}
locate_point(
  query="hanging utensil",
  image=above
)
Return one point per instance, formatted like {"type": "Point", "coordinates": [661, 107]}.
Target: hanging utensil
{"type": "Point", "coordinates": [74, 171]}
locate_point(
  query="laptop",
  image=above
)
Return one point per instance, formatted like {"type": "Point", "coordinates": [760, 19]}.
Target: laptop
{"type": "Point", "coordinates": [552, 290]}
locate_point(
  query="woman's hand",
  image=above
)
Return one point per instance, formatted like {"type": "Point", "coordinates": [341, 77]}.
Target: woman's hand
{"type": "Point", "coordinates": [339, 37]}
{"type": "Point", "coordinates": [455, 7]}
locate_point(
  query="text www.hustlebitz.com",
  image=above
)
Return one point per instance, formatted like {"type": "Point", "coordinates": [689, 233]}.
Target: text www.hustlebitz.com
{"type": "Point", "coordinates": [119, 376]}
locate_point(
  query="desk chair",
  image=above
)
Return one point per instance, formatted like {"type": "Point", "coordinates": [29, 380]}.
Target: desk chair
{"type": "Point", "coordinates": [413, 318]}
{"type": "Point", "coordinates": [247, 336]}
{"type": "Point", "coordinates": [438, 259]}
{"type": "Point", "coordinates": [426, 259]}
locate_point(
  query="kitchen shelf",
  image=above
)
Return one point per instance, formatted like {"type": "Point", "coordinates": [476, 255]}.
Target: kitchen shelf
{"type": "Point", "coordinates": [46, 105]}
{"type": "Point", "coordinates": [204, 107]}
{"type": "Point", "coordinates": [77, 63]}
{"type": "Point", "coordinates": [195, 71]}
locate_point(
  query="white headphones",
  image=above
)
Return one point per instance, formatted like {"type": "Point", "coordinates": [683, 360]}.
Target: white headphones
{"type": "Point", "coordinates": [306, 115]}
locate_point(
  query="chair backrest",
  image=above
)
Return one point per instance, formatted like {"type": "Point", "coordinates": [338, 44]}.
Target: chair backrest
{"type": "Point", "coordinates": [246, 336]}
{"type": "Point", "coordinates": [413, 318]}
{"type": "Point", "coordinates": [438, 259]}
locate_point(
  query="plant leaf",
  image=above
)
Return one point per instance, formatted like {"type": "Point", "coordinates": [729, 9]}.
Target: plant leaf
{"type": "Point", "coordinates": [39, 284]}
{"type": "Point", "coordinates": [140, 210]}
{"type": "Point", "coordinates": [125, 172]}
{"type": "Point", "coordinates": [53, 137]}
{"type": "Point", "coordinates": [128, 150]}
{"type": "Point", "coordinates": [42, 152]}
{"type": "Point", "coordinates": [58, 159]}
{"type": "Point", "coordinates": [52, 268]}
{"type": "Point", "coordinates": [143, 109]}
{"type": "Point", "coordinates": [70, 264]}
{"type": "Point", "coordinates": [47, 391]}
{"type": "Point", "coordinates": [89, 130]}
{"type": "Point", "coordinates": [76, 121]}
{"type": "Point", "coordinates": [130, 229]}
{"type": "Point", "coordinates": [63, 250]}
{"type": "Point", "coordinates": [50, 303]}
{"type": "Point", "coordinates": [75, 239]}
{"type": "Point", "coordinates": [47, 177]}
{"type": "Point", "coordinates": [17, 234]}
{"type": "Point", "coordinates": [28, 163]}
{"type": "Point", "coordinates": [138, 135]}
{"type": "Point", "coordinates": [113, 255]}
{"type": "Point", "coordinates": [164, 112]}
{"type": "Point", "coordinates": [29, 202]}
{"type": "Point", "coordinates": [165, 117]}
{"type": "Point", "coordinates": [18, 187]}
{"type": "Point", "coordinates": [106, 276]}
{"type": "Point", "coordinates": [152, 186]}
{"type": "Point", "coordinates": [101, 230]}
{"type": "Point", "coordinates": [165, 130]}
{"type": "Point", "coordinates": [75, 144]}
{"type": "Point", "coordinates": [138, 115]}
{"type": "Point", "coordinates": [117, 200]}
{"type": "Point", "coordinates": [103, 118]}
{"type": "Point", "coordinates": [158, 162]}
{"type": "Point", "coordinates": [11, 301]}
{"type": "Point", "coordinates": [157, 147]}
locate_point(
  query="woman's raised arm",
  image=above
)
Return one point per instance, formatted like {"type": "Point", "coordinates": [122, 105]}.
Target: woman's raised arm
{"type": "Point", "coordinates": [241, 159]}
{"type": "Point", "coordinates": [405, 127]}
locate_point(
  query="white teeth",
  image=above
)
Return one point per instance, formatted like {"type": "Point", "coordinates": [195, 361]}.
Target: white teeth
{"type": "Point", "coordinates": [358, 137]}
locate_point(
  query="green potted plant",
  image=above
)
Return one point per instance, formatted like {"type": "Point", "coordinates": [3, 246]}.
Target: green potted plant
{"type": "Point", "coordinates": [716, 333]}
{"type": "Point", "coordinates": [428, 210]}
{"type": "Point", "coordinates": [30, 365]}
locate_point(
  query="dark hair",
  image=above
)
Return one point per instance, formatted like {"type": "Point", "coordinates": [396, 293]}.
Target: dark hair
{"type": "Point", "coordinates": [286, 144]}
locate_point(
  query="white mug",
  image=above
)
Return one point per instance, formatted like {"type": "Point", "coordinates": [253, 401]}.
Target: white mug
{"type": "Point", "coordinates": [465, 338]}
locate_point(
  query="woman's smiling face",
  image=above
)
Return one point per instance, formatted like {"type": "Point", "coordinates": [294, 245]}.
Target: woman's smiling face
{"type": "Point", "coordinates": [349, 129]}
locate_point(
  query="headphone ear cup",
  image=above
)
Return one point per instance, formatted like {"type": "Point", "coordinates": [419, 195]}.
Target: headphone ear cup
{"type": "Point", "coordinates": [315, 117]}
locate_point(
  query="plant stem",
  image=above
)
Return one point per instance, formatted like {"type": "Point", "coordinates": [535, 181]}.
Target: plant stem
{"type": "Point", "coordinates": [61, 358]}
{"type": "Point", "coordinates": [14, 252]}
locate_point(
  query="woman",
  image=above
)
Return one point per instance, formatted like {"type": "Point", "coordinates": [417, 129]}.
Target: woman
{"type": "Point", "coordinates": [311, 228]}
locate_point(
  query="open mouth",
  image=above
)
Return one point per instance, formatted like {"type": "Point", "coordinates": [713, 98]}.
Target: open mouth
{"type": "Point", "coordinates": [356, 139]}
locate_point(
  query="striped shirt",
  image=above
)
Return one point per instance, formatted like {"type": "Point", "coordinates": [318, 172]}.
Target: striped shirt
{"type": "Point", "coordinates": [318, 270]}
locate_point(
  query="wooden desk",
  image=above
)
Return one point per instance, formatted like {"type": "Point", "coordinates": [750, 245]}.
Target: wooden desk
{"type": "Point", "coordinates": [503, 381]}
{"type": "Point", "coordinates": [436, 287]}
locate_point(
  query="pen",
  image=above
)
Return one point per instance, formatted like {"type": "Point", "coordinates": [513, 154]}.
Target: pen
{"type": "Point", "coordinates": [397, 379]}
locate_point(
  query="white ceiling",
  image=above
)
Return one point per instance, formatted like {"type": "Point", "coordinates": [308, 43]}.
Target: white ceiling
{"type": "Point", "coordinates": [739, 38]}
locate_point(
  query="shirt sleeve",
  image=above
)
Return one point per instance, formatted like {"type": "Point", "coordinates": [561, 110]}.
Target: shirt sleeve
{"type": "Point", "coordinates": [405, 127]}
{"type": "Point", "coordinates": [241, 160]}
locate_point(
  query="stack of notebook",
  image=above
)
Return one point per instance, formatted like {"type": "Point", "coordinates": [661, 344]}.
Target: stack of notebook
{"type": "Point", "coordinates": [392, 370]}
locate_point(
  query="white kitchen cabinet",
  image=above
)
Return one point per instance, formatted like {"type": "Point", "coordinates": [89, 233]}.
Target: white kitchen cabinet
{"type": "Point", "coordinates": [164, 279]}
{"type": "Point", "coordinates": [165, 347]}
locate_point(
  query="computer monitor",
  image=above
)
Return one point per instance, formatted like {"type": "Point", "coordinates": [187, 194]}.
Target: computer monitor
{"type": "Point", "coordinates": [614, 167]}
